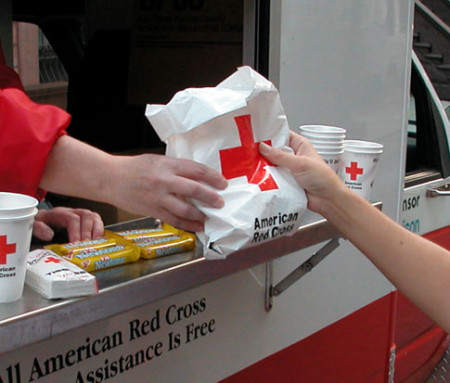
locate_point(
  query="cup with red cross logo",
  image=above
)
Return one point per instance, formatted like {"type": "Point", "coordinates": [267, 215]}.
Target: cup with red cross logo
{"type": "Point", "coordinates": [17, 214]}
{"type": "Point", "coordinates": [359, 165]}
{"type": "Point", "coordinates": [328, 142]}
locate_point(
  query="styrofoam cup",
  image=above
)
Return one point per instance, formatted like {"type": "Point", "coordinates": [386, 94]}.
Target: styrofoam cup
{"type": "Point", "coordinates": [334, 160]}
{"type": "Point", "coordinates": [330, 152]}
{"type": "Point", "coordinates": [320, 137]}
{"type": "Point", "coordinates": [322, 129]}
{"type": "Point", "coordinates": [359, 166]}
{"type": "Point", "coordinates": [328, 147]}
{"type": "Point", "coordinates": [360, 146]}
{"type": "Point", "coordinates": [16, 205]}
{"type": "Point", "coordinates": [15, 239]}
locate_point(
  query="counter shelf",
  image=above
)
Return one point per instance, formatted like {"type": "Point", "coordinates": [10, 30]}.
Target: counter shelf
{"type": "Point", "coordinates": [34, 318]}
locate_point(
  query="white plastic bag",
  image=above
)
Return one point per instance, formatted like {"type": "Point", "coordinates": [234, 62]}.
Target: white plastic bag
{"type": "Point", "coordinates": [221, 128]}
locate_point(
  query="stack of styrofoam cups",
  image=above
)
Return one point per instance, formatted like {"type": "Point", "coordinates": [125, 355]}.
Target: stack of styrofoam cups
{"type": "Point", "coordinates": [17, 212]}
{"type": "Point", "coordinates": [328, 142]}
{"type": "Point", "coordinates": [359, 165]}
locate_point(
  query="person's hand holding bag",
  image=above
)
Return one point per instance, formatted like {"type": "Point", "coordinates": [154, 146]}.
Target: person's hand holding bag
{"type": "Point", "coordinates": [320, 182]}
{"type": "Point", "coordinates": [221, 127]}
{"type": "Point", "coordinates": [147, 184]}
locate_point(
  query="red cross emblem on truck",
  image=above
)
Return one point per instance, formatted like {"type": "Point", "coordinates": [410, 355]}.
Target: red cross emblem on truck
{"type": "Point", "coordinates": [353, 170]}
{"type": "Point", "coordinates": [245, 160]}
{"type": "Point", "coordinates": [5, 249]}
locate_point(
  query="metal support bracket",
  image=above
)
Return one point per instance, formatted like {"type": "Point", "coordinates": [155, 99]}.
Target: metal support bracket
{"type": "Point", "coordinates": [294, 276]}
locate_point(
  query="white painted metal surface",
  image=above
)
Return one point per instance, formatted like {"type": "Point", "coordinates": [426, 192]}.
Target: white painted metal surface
{"type": "Point", "coordinates": [345, 64]}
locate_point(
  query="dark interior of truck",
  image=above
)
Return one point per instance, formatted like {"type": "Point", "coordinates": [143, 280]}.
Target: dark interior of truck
{"type": "Point", "coordinates": [112, 74]}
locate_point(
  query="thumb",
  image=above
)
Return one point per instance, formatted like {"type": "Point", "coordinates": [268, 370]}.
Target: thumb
{"type": "Point", "coordinates": [42, 231]}
{"type": "Point", "coordinates": [278, 157]}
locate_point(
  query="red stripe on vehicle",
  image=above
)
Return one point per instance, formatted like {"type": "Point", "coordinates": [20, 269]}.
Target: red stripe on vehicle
{"type": "Point", "coordinates": [354, 349]}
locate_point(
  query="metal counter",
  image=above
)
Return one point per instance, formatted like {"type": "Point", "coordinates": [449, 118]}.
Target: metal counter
{"type": "Point", "coordinates": [34, 318]}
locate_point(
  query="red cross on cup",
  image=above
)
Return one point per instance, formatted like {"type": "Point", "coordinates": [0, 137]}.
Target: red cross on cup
{"type": "Point", "coordinates": [353, 170]}
{"type": "Point", "coordinates": [245, 160]}
{"type": "Point", "coordinates": [5, 249]}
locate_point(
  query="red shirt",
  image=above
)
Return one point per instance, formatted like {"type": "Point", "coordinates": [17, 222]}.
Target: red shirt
{"type": "Point", "coordinates": [28, 132]}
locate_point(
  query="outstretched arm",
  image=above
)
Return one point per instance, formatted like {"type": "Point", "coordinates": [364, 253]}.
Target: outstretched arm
{"type": "Point", "coordinates": [417, 267]}
{"type": "Point", "coordinates": [147, 184]}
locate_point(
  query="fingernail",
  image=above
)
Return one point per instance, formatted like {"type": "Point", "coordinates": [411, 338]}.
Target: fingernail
{"type": "Point", "coordinates": [219, 203]}
{"type": "Point", "coordinates": [224, 184]}
{"type": "Point", "coordinates": [75, 238]}
{"type": "Point", "coordinates": [48, 235]}
{"type": "Point", "coordinates": [264, 148]}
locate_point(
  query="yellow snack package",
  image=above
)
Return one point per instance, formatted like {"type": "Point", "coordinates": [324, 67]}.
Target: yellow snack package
{"type": "Point", "coordinates": [162, 246]}
{"type": "Point", "coordinates": [136, 235]}
{"type": "Point", "coordinates": [105, 257]}
{"type": "Point", "coordinates": [73, 248]}
{"type": "Point", "coordinates": [118, 248]}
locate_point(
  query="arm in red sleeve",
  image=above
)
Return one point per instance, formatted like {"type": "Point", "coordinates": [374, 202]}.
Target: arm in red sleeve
{"type": "Point", "coordinates": [8, 77]}
{"type": "Point", "coordinates": [27, 134]}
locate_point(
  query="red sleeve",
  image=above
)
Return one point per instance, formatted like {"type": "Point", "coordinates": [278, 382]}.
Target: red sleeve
{"type": "Point", "coordinates": [27, 134]}
{"type": "Point", "coordinates": [8, 77]}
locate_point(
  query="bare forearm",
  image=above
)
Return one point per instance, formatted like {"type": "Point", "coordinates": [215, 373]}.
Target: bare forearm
{"type": "Point", "coordinates": [76, 169]}
{"type": "Point", "coordinates": [147, 184]}
{"type": "Point", "coordinates": [417, 267]}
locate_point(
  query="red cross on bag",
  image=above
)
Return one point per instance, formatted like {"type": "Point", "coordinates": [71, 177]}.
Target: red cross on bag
{"type": "Point", "coordinates": [245, 160]}
{"type": "Point", "coordinates": [222, 128]}
{"type": "Point", "coordinates": [5, 249]}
